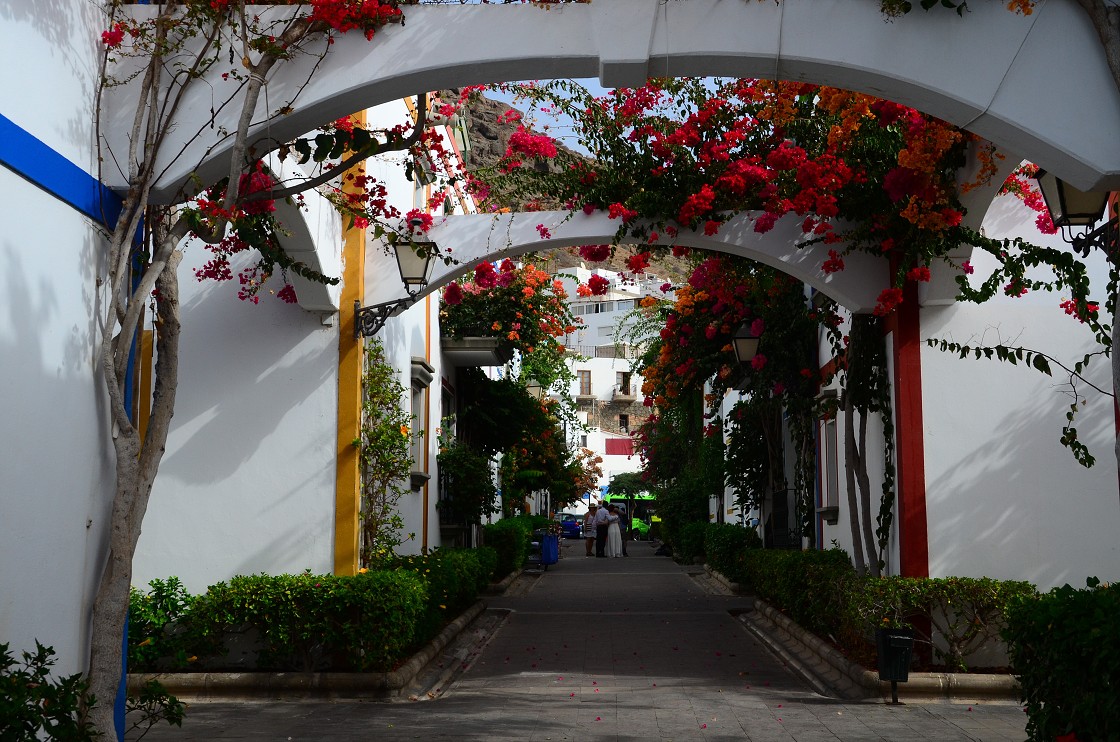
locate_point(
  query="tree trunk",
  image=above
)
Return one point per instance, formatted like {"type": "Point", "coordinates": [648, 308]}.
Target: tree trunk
{"type": "Point", "coordinates": [851, 462]}
{"type": "Point", "coordinates": [864, 483]}
{"type": "Point", "coordinates": [137, 464]}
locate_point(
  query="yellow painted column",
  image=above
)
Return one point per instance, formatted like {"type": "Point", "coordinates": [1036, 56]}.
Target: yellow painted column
{"type": "Point", "coordinates": [347, 500]}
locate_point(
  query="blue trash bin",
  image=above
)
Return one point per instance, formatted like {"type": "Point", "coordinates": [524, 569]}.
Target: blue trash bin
{"type": "Point", "coordinates": [550, 549]}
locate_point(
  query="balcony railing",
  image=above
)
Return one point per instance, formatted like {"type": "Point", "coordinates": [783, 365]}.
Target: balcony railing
{"type": "Point", "coordinates": [604, 351]}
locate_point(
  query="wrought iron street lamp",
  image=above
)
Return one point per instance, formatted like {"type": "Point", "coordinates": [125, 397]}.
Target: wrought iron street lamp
{"type": "Point", "coordinates": [1071, 209]}
{"type": "Point", "coordinates": [536, 389]}
{"type": "Point", "coordinates": [745, 344]}
{"type": "Point", "coordinates": [415, 261]}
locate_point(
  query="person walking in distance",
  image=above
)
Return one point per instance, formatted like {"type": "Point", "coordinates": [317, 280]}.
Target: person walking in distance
{"type": "Point", "coordinates": [589, 529]}
{"type": "Point", "coordinates": [614, 532]}
{"type": "Point", "coordinates": [602, 521]}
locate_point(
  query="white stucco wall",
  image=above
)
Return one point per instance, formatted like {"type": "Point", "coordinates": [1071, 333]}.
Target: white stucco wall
{"type": "Point", "coordinates": [248, 481]}
{"type": "Point", "coordinates": [56, 466]}
{"type": "Point", "coordinates": [1004, 498]}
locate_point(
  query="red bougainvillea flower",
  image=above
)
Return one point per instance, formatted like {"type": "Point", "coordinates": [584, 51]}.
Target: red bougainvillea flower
{"type": "Point", "coordinates": [524, 142]}
{"type": "Point", "coordinates": [452, 294]}
{"type": "Point", "coordinates": [758, 362]}
{"type": "Point", "coordinates": [595, 253]}
{"type": "Point", "coordinates": [918, 273]}
{"type": "Point", "coordinates": [287, 294]}
{"type": "Point", "coordinates": [638, 263]}
{"type": "Point", "coordinates": [888, 300]}
{"type": "Point", "coordinates": [485, 275]}
{"type": "Point", "coordinates": [425, 219]}
{"type": "Point", "coordinates": [113, 37]}
{"type": "Point", "coordinates": [254, 182]}
{"type": "Point", "coordinates": [834, 263]}
{"type": "Point", "coordinates": [598, 285]}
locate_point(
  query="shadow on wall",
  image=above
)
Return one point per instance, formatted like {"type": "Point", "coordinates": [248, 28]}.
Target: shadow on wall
{"type": "Point", "coordinates": [57, 465]}
{"type": "Point", "coordinates": [243, 369]}
{"type": "Point", "coordinates": [1020, 502]}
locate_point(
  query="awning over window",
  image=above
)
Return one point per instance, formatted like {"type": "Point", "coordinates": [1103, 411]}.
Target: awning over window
{"type": "Point", "coordinates": [620, 446]}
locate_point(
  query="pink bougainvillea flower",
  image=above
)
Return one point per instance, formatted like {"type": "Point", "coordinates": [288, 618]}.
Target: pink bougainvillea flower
{"type": "Point", "coordinates": [966, 266]}
{"type": "Point", "coordinates": [758, 362]}
{"type": "Point", "coordinates": [757, 326]}
{"type": "Point", "coordinates": [544, 232]}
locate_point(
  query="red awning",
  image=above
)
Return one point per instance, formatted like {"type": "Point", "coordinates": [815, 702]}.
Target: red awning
{"type": "Point", "coordinates": [620, 446]}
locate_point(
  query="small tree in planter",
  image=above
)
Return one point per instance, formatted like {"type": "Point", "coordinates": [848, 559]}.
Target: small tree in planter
{"type": "Point", "coordinates": [384, 455]}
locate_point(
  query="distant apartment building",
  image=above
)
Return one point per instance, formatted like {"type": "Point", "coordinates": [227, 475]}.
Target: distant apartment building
{"type": "Point", "coordinates": [606, 390]}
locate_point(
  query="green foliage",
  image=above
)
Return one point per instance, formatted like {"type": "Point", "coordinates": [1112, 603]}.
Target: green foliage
{"type": "Point", "coordinates": [725, 542]}
{"type": "Point", "coordinates": [36, 705]}
{"type": "Point", "coordinates": [509, 538]}
{"type": "Point", "coordinates": [151, 625]}
{"type": "Point", "coordinates": [455, 579]}
{"type": "Point", "coordinates": [384, 455]}
{"type": "Point", "coordinates": [688, 546]}
{"type": "Point", "coordinates": [966, 612]}
{"type": "Point", "coordinates": [812, 587]}
{"type": "Point", "coordinates": [152, 705]}
{"type": "Point", "coordinates": [311, 622]}
{"type": "Point", "coordinates": [468, 491]}
{"type": "Point", "coordinates": [627, 483]}
{"type": "Point", "coordinates": [1065, 649]}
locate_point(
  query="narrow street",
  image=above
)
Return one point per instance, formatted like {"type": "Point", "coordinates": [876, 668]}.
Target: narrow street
{"type": "Point", "coordinates": [634, 648]}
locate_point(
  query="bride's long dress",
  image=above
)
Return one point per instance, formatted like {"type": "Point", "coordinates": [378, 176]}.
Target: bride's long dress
{"type": "Point", "coordinates": [614, 538]}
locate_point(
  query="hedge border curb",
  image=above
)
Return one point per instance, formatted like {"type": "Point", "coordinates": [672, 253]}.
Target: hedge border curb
{"type": "Point", "coordinates": [201, 686]}
{"type": "Point", "coordinates": [848, 679]}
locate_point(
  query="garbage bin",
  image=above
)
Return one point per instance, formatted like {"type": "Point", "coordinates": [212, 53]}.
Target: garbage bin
{"type": "Point", "coordinates": [550, 549]}
{"type": "Point", "coordinates": [894, 648]}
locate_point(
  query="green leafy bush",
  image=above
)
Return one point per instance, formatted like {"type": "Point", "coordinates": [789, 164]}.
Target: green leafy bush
{"type": "Point", "coordinates": [509, 538]}
{"type": "Point", "coordinates": [724, 543]}
{"type": "Point", "coordinates": [152, 631]}
{"type": "Point", "coordinates": [812, 587]}
{"type": "Point", "coordinates": [1065, 648]}
{"type": "Point", "coordinates": [34, 704]}
{"type": "Point", "coordinates": [455, 578]}
{"type": "Point", "coordinates": [488, 559]}
{"type": "Point", "coordinates": [311, 622]}
{"type": "Point", "coordinates": [966, 612]}
{"type": "Point", "coordinates": [690, 542]}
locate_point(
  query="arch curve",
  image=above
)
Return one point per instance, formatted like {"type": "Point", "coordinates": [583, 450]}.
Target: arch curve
{"type": "Point", "coordinates": [984, 72]}
{"type": "Point", "coordinates": [473, 238]}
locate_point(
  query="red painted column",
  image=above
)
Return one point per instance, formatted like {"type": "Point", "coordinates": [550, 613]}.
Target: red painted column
{"type": "Point", "coordinates": [905, 325]}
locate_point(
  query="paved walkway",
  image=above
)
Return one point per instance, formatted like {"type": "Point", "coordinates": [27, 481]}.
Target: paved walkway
{"type": "Point", "coordinates": [623, 649]}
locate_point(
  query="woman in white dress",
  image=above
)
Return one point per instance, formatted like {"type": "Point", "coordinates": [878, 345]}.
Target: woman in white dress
{"type": "Point", "coordinates": [614, 533]}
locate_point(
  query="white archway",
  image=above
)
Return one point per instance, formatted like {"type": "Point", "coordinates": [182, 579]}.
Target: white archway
{"type": "Point", "coordinates": [1004, 76]}
{"type": "Point", "coordinates": [477, 237]}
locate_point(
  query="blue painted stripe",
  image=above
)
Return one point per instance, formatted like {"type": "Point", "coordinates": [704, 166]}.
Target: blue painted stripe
{"type": "Point", "coordinates": [29, 157]}
{"type": "Point", "coordinates": [32, 159]}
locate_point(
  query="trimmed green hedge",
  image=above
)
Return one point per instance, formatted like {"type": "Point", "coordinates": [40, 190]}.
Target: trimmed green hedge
{"type": "Point", "coordinates": [368, 622]}
{"type": "Point", "coordinates": [812, 587]}
{"type": "Point", "coordinates": [725, 543]}
{"type": "Point", "coordinates": [688, 546]}
{"type": "Point", "coordinates": [966, 612]}
{"type": "Point", "coordinates": [312, 622]}
{"type": "Point", "coordinates": [1065, 648]}
{"type": "Point", "coordinates": [455, 579]}
{"type": "Point", "coordinates": [510, 539]}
